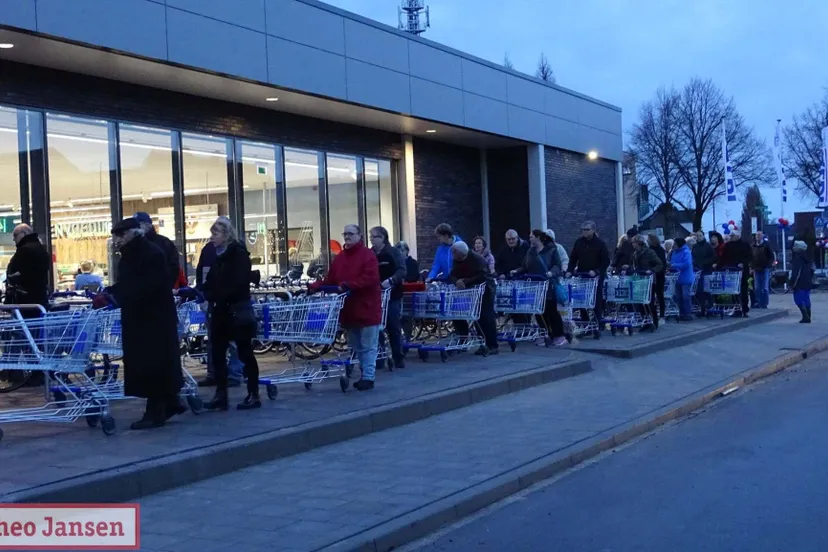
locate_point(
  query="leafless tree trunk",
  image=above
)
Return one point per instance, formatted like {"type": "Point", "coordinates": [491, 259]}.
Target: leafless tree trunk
{"type": "Point", "coordinates": [545, 71]}
{"type": "Point", "coordinates": [507, 62]}
{"type": "Point", "coordinates": [802, 144]}
{"type": "Point", "coordinates": [702, 109]}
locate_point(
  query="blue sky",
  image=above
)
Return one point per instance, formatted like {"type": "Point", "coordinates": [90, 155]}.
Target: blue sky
{"type": "Point", "coordinates": [766, 53]}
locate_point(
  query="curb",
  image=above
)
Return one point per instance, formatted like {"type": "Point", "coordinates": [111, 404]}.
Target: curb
{"type": "Point", "coordinates": [645, 349]}
{"type": "Point", "coordinates": [430, 518]}
{"type": "Point", "coordinates": [159, 474]}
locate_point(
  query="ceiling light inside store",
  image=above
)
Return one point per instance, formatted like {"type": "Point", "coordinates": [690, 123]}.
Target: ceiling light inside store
{"type": "Point", "coordinates": [6, 45]}
{"type": "Point", "coordinates": [273, 99]}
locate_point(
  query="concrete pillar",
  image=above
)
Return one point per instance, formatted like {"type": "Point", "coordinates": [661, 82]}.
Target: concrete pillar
{"type": "Point", "coordinates": [620, 198]}
{"type": "Point", "coordinates": [484, 195]}
{"type": "Point", "coordinates": [407, 195]}
{"type": "Point", "coordinates": [537, 186]}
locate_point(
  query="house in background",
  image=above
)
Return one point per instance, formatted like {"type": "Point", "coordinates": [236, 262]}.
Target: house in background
{"type": "Point", "coordinates": [667, 222]}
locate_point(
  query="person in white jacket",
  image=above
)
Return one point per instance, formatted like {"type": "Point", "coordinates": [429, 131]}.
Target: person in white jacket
{"type": "Point", "coordinates": [561, 251]}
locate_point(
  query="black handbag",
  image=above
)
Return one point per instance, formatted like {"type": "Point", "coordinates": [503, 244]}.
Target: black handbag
{"type": "Point", "coordinates": [242, 315]}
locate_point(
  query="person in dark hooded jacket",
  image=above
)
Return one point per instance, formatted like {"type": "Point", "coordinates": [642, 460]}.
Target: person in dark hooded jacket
{"type": "Point", "coordinates": [28, 271]}
{"type": "Point", "coordinates": [704, 257]}
{"type": "Point", "coordinates": [590, 255]}
{"type": "Point", "coordinates": [737, 254]}
{"type": "Point", "coordinates": [149, 325]}
{"type": "Point", "coordinates": [647, 261]}
{"type": "Point", "coordinates": [802, 276]}
{"type": "Point", "coordinates": [510, 257]}
{"type": "Point", "coordinates": [164, 243]}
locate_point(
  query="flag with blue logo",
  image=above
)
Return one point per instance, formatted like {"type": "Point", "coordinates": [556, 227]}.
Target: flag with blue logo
{"type": "Point", "coordinates": [780, 172]}
{"type": "Point", "coordinates": [730, 186]}
{"type": "Point", "coordinates": [823, 171]}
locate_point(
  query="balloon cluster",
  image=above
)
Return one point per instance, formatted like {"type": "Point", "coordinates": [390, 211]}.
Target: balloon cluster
{"type": "Point", "coordinates": [784, 223]}
{"type": "Point", "coordinates": [729, 227]}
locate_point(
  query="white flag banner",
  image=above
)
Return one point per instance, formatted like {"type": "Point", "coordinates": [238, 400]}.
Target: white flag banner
{"type": "Point", "coordinates": [823, 171]}
{"type": "Point", "coordinates": [780, 172]}
{"type": "Point", "coordinates": [730, 186]}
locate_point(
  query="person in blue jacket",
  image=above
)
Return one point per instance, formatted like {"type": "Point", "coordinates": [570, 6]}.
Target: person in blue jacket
{"type": "Point", "coordinates": [443, 262]}
{"type": "Point", "coordinates": [682, 260]}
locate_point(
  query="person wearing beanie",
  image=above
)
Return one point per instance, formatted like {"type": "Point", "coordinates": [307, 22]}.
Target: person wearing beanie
{"type": "Point", "coordinates": [802, 275]}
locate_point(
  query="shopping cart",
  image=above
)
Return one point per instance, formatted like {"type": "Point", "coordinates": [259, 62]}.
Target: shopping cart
{"type": "Point", "coordinates": [59, 345]}
{"type": "Point", "coordinates": [521, 301]}
{"type": "Point", "coordinates": [307, 320]}
{"type": "Point", "coordinates": [671, 308]}
{"type": "Point", "coordinates": [694, 303]}
{"type": "Point", "coordinates": [578, 313]}
{"type": "Point", "coordinates": [445, 303]}
{"type": "Point", "coordinates": [630, 295]}
{"type": "Point", "coordinates": [725, 286]}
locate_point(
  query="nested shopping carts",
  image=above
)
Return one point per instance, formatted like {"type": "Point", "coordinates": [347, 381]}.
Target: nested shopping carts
{"type": "Point", "coordinates": [725, 286]}
{"type": "Point", "coordinates": [578, 313]}
{"type": "Point", "coordinates": [671, 308]}
{"type": "Point", "coordinates": [442, 304]}
{"type": "Point", "coordinates": [521, 302]}
{"type": "Point", "coordinates": [59, 345]}
{"type": "Point", "coordinates": [307, 320]}
{"type": "Point", "coordinates": [629, 301]}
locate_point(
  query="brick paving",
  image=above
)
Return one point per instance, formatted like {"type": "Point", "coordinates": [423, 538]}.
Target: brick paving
{"type": "Point", "coordinates": [318, 498]}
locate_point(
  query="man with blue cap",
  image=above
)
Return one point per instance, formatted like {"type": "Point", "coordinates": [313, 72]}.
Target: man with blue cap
{"type": "Point", "coordinates": [164, 243]}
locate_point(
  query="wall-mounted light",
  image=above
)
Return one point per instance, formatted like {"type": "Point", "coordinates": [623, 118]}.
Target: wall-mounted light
{"type": "Point", "coordinates": [6, 45]}
{"type": "Point", "coordinates": [431, 131]}
{"type": "Point", "coordinates": [272, 99]}
{"type": "Point", "coordinates": [592, 155]}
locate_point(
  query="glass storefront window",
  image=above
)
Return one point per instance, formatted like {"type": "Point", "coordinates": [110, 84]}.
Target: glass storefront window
{"type": "Point", "coordinates": [10, 214]}
{"type": "Point", "coordinates": [303, 217]}
{"type": "Point", "coordinates": [80, 211]}
{"type": "Point", "coordinates": [260, 209]}
{"type": "Point", "coordinates": [205, 191]}
{"type": "Point", "coordinates": [342, 197]}
{"type": "Point", "coordinates": [379, 197]}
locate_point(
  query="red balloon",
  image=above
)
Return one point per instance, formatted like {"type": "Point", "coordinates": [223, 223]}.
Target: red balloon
{"type": "Point", "coordinates": [731, 222]}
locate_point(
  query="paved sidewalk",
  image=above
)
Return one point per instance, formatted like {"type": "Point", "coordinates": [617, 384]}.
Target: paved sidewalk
{"type": "Point", "coordinates": [317, 499]}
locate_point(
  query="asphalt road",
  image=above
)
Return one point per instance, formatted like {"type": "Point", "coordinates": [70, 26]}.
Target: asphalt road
{"type": "Point", "coordinates": [748, 474]}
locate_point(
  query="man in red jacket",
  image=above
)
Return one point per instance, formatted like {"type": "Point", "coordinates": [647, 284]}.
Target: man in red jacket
{"type": "Point", "coordinates": [356, 271]}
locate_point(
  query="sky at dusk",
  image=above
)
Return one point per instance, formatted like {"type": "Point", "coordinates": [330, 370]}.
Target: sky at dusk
{"type": "Point", "coordinates": [771, 56]}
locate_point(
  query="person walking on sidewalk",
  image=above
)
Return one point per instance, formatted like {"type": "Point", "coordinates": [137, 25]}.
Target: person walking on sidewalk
{"type": "Point", "coordinates": [510, 257]}
{"type": "Point", "coordinates": [647, 261]}
{"type": "Point", "coordinates": [412, 267]}
{"type": "Point", "coordinates": [227, 290]}
{"type": "Point", "coordinates": [682, 260]}
{"type": "Point", "coordinates": [356, 271]}
{"type": "Point", "coordinates": [443, 261]}
{"type": "Point", "coordinates": [162, 242]}
{"type": "Point", "coordinates": [470, 271]}
{"type": "Point", "coordinates": [761, 263]}
{"type": "Point", "coordinates": [392, 274]}
{"type": "Point", "coordinates": [28, 271]}
{"type": "Point", "coordinates": [482, 249]}
{"type": "Point", "coordinates": [661, 277]}
{"type": "Point", "coordinates": [149, 325]}
{"type": "Point", "coordinates": [738, 254]}
{"type": "Point", "coordinates": [206, 261]}
{"type": "Point", "coordinates": [802, 276]}
{"type": "Point", "coordinates": [590, 255]}
{"type": "Point", "coordinates": [704, 257]}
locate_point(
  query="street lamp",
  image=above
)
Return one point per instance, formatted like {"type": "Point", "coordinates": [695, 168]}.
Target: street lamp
{"type": "Point", "coordinates": [592, 155]}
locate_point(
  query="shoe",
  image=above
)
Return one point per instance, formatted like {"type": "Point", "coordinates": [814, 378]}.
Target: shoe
{"type": "Point", "coordinates": [147, 423]}
{"type": "Point", "coordinates": [175, 408]}
{"type": "Point", "coordinates": [249, 403]}
{"type": "Point", "coordinates": [493, 352]}
{"type": "Point", "coordinates": [207, 382]}
{"type": "Point", "coordinates": [363, 385]}
{"type": "Point", "coordinates": [808, 309]}
{"type": "Point", "coordinates": [154, 415]}
{"type": "Point", "coordinates": [482, 351]}
{"type": "Point", "coordinates": [219, 401]}
{"type": "Point", "coordinates": [559, 342]}
{"type": "Point", "coordinates": [399, 364]}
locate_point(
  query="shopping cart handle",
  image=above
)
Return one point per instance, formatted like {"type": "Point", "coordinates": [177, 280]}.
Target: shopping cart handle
{"type": "Point", "coordinates": [23, 307]}
{"type": "Point", "coordinates": [329, 289]}
{"type": "Point", "coordinates": [61, 294]}
{"type": "Point", "coordinates": [190, 293]}
{"type": "Point", "coordinates": [728, 269]}
{"type": "Point", "coordinates": [585, 274]}
{"type": "Point", "coordinates": [533, 277]}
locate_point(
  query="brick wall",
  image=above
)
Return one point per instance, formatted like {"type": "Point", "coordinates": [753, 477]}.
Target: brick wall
{"type": "Point", "coordinates": [30, 86]}
{"type": "Point", "coordinates": [578, 189]}
{"type": "Point", "coordinates": [508, 174]}
{"type": "Point", "coordinates": [447, 185]}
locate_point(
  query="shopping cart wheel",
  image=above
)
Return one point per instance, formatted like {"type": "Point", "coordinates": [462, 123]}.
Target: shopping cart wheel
{"type": "Point", "coordinates": [272, 391]}
{"type": "Point", "coordinates": [92, 420]}
{"type": "Point", "coordinates": [512, 346]}
{"type": "Point", "coordinates": [444, 356]}
{"type": "Point", "coordinates": [308, 385]}
{"type": "Point", "coordinates": [108, 424]}
{"type": "Point", "coordinates": [423, 355]}
{"type": "Point", "coordinates": [343, 383]}
{"type": "Point", "coordinates": [195, 403]}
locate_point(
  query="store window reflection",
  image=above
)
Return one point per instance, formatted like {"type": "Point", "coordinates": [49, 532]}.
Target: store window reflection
{"type": "Point", "coordinates": [260, 210]}
{"type": "Point", "coordinates": [205, 191]}
{"type": "Point", "coordinates": [342, 197]}
{"type": "Point", "coordinates": [80, 212]}
{"type": "Point", "coordinates": [303, 219]}
{"type": "Point", "coordinates": [379, 197]}
{"type": "Point", "coordinates": [9, 185]}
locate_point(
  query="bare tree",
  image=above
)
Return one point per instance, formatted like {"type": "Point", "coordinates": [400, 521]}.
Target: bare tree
{"type": "Point", "coordinates": [702, 109]}
{"type": "Point", "coordinates": [654, 140]}
{"type": "Point", "coordinates": [545, 72]}
{"type": "Point", "coordinates": [802, 144]}
{"type": "Point", "coordinates": [507, 62]}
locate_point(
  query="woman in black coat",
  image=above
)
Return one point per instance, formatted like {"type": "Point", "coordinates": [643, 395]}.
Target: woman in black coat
{"type": "Point", "coordinates": [149, 325]}
{"type": "Point", "coordinates": [227, 290]}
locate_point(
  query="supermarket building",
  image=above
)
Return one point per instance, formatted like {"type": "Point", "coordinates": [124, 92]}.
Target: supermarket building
{"type": "Point", "coordinates": [291, 117]}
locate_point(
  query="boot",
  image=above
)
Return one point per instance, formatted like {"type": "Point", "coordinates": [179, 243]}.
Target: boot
{"type": "Point", "coordinates": [219, 401]}
{"type": "Point", "coordinates": [175, 407]}
{"type": "Point", "coordinates": [154, 415]}
{"type": "Point", "coordinates": [807, 315]}
{"type": "Point", "coordinates": [804, 312]}
{"type": "Point", "coordinates": [250, 402]}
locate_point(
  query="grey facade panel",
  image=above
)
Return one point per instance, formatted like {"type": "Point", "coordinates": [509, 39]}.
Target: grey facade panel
{"type": "Point", "coordinates": [578, 138]}
{"type": "Point", "coordinates": [304, 68]}
{"type": "Point", "coordinates": [484, 81]}
{"type": "Point", "coordinates": [562, 105]}
{"type": "Point", "coordinates": [371, 45]}
{"type": "Point", "coordinates": [527, 124]}
{"type": "Point", "coordinates": [435, 65]}
{"type": "Point", "coordinates": [135, 26]}
{"type": "Point", "coordinates": [436, 102]}
{"type": "Point", "coordinates": [19, 13]}
{"type": "Point", "coordinates": [599, 117]}
{"type": "Point", "coordinates": [222, 47]}
{"type": "Point", "coordinates": [375, 86]}
{"type": "Point", "coordinates": [306, 24]}
{"type": "Point", "coordinates": [245, 13]}
{"type": "Point", "coordinates": [525, 93]}
{"type": "Point", "coordinates": [486, 114]}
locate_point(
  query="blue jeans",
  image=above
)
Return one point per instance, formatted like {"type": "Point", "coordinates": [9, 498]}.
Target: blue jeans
{"type": "Point", "coordinates": [364, 342]}
{"type": "Point", "coordinates": [761, 283]}
{"type": "Point", "coordinates": [234, 365]}
{"type": "Point", "coordinates": [393, 327]}
{"type": "Point", "coordinates": [802, 298]}
{"type": "Point", "coordinates": [682, 297]}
